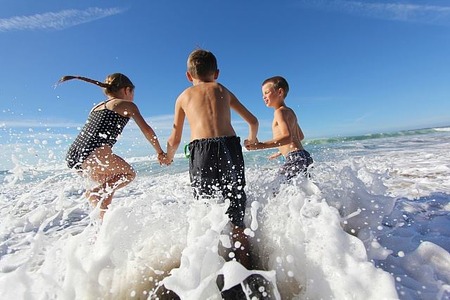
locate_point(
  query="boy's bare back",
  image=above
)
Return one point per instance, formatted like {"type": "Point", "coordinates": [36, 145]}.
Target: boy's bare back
{"type": "Point", "coordinates": [207, 108]}
{"type": "Point", "coordinates": [206, 105]}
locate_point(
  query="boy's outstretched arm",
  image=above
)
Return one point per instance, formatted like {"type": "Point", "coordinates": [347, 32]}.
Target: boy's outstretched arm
{"type": "Point", "coordinates": [252, 121]}
{"type": "Point", "coordinates": [283, 137]}
{"type": "Point", "coordinates": [175, 138]}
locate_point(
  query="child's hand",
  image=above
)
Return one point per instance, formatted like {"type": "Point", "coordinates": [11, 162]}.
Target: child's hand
{"type": "Point", "coordinates": [163, 160]}
{"type": "Point", "coordinates": [251, 145]}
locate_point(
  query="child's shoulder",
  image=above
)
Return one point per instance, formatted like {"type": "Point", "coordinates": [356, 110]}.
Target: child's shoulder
{"type": "Point", "coordinates": [284, 111]}
{"type": "Point", "coordinates": [202, 87]}
{"type": "Point", "coordinates": [122, 105]}
{"type": "Point", "coordinates": [287, 108]}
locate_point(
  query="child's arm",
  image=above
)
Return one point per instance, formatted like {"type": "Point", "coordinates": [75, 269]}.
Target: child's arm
{"type": "Point", "coordinates": [129, 109]}
{"type": "Point", "coordinates": [175, 138]}
{"type": "Point", "coordinates": [247, 116]}
{"type": "Point", "coordinates": [275, 155]}
{"type": "Point", "coordinates": [301, 136]}
{"type": "Point", "coordinates": [282, 137]}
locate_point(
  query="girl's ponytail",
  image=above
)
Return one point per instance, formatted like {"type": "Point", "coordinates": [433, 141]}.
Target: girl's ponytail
{"type": "Point", "coordinates": [96, 82]}
{"type": "Point", "coordinates": [112, 84]}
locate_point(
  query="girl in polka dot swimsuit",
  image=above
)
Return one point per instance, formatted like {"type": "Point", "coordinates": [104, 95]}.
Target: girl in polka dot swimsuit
{"type": "Point", "coordinates": [91, 152]}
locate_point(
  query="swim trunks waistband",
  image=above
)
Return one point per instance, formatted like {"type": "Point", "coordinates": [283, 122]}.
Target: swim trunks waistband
{"type": "Point", "coordinates": [296, 152]}
{"type": "Point", "coordinates": [213, 139]}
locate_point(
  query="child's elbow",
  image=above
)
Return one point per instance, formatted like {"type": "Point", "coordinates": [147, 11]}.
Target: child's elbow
{"type": "Point", "coordinates": [254, 122]}
{"type": "Point", "coordinates": [301, 137]}
{"type": "Point", "coordinates": [173, 141]}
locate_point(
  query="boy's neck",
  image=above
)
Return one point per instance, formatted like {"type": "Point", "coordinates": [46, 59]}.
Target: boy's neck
{"type": "Point", "coordinates": [200, 81]}
{"type": "Point", "coordinates": [279, 105]}
{"type": "Point", "coordinates": [207, 79]}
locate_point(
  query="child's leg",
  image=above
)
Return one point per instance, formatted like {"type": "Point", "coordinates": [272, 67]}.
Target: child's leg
{"type": "Point", "coordinates": [100, 195]}
{"type": "Point", "coordinates": [241, 247]}
{"type": "Point", "coordinates": [110, 171]}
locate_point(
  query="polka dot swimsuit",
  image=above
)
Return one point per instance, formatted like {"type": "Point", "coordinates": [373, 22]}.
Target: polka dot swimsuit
{"type": "Point", "coordinates": [102, 128]}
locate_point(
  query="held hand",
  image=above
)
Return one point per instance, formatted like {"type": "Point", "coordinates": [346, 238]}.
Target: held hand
{"type": "Point", "coordinates": [163, 160]}
{"type": "Point", "coordinates": [251, 145]}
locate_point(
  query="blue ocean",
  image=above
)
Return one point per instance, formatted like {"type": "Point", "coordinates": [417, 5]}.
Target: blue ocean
{"type": "Point", "coordinates": [372, 222]}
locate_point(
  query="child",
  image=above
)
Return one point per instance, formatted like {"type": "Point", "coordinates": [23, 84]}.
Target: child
{"type": "Point", "coordinates": [216, 161]}
{"type": "Point", "coordinates": [287, 134]}
{"type": "Point", "coordinates": [91, 151]}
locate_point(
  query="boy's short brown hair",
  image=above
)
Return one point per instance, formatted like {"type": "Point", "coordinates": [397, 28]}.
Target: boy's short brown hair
{"type": "Point", "coordinates": [201, 64]}
{"type": "Point", "coordinates": [278, 82]}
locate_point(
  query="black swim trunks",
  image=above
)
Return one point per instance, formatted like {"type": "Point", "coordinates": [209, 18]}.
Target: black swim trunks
{"type": "Point", "coordinates": [102, 128]}
{"type": "Point", "coordinates": [216, 165]}
{"type": "Point", "coordinates": [296, 162]}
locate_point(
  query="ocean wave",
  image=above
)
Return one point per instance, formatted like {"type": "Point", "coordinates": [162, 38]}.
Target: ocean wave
{"type": "Point", "coordinates": [446, 129]}
{"type": "Point", "coordinates": [371, 136]}
{"type": "Point", "coordinates": [356, 230]}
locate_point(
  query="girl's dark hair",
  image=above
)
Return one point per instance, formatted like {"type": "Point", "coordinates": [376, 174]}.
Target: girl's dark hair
{"type": "Point", "coordinates": [278, 82]}
{"type": "Point", "coordinates": [113, 83]}
{"type": "Point", "coordinates": [201, 63]}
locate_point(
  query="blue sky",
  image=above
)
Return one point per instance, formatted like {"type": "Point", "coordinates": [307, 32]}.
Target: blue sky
{"type": "Point", "coordinates": [354, 67]}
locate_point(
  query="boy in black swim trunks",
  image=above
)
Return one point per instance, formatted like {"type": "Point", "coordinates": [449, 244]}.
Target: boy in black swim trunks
{"type": "Point", "coordinates": [287, 134]}
{"type": "Point", "coordinates": [216, 163]}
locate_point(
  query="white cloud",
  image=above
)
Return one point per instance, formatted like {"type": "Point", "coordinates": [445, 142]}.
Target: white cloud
{"type": "Point", "coordinates": [57, 20]}
{"type": "Point", "coordinates": [429, 14]}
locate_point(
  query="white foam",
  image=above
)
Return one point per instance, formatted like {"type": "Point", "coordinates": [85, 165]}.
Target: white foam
{"type": "Point", "coordinates": [372, 223]}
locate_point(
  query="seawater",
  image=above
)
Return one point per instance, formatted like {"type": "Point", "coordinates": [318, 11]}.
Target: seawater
{"type": "Point", "coordinates": [372, 222]}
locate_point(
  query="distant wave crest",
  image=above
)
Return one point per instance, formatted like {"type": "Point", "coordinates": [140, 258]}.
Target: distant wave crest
{"type": "Point", "coordinates": [378, 135]}
{"type": "Point", "coordinates": [446, 129]}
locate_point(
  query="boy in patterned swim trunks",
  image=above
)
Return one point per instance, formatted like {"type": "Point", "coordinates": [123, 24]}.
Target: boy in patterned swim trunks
{"type": "Point", "coordinates": [216, 162]}
{"type": "Point", "coordinates": [287, 134]}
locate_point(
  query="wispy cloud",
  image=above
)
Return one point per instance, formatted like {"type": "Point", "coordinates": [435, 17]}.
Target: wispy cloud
{"type": "Point", "coordinates": [57, 20]}
{"type": "Point", "coordinates": [429, 14]}
{"type": "Point", "coordinates": [362, 118]}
